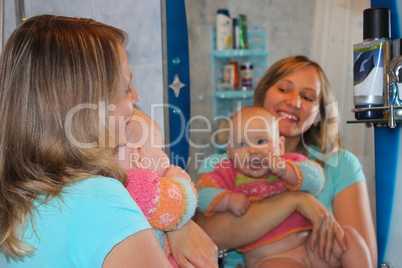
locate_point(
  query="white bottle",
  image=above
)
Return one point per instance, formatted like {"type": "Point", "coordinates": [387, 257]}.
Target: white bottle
{"type": "Point", "coordinates": [223, 30]}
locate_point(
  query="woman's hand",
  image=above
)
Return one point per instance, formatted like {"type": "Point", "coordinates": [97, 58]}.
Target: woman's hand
{"type": "Point", "coordinates": [325, 227]}
{"type": "Point", "coordinates": [192, 247]}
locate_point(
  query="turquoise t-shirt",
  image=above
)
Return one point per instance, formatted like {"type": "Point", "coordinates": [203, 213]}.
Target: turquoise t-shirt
{"type": "Point", "coordinates": [79, 228]}
{"type": "Point", "coordinates": [341, 170]}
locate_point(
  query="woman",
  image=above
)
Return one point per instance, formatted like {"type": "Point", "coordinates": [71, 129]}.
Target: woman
{"type": "Point", "coordinates": [297, 92]}
{"type": "Point", "coordinates": [65, 97]}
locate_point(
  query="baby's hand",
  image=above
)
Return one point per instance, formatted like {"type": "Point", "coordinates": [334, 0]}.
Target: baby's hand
{"type": "Point", "coordinates": [278, 166]}
{"type": "Point", "coordinates": [175, 170]}
{"type": "Point", "coordinates": [284, 170]}
{"type": "Point", "coordinates": [238, 203]}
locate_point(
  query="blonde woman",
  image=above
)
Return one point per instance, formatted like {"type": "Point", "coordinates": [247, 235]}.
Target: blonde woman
{"type": "Point", "coordinates": [65, 97]}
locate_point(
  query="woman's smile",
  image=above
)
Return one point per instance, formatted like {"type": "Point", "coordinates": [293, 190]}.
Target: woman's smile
{"type": "Point", "coordinates": [287, 116]}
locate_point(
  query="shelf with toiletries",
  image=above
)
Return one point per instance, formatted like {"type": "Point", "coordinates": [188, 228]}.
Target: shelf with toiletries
{"type": "Point", "coordinates": [376, 72]}
{"type": "Point", "coordinates": [232, 53]}
{"type": "Point", "coordinates": [388, 112]}
{"type": "Point", "coordinates": [390, 118]}
{"type": "Point", "coordinates": [230, 95]}
{"type": "Point", "coordinates": [235, 92]}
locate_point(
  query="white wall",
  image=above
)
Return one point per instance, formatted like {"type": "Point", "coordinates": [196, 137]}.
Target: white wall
{"type": "Point", "coordinates": [338, 25]}
{"type": "Point", "coordinates": [140, 19]}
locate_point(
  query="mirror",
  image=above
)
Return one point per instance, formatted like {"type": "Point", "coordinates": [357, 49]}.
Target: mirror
{"type": "Point", "coordinates": [325, 31]}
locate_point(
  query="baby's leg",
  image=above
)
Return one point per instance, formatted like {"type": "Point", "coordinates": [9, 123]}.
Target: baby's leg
{"type": "Point", "coordinates": [357, 255]}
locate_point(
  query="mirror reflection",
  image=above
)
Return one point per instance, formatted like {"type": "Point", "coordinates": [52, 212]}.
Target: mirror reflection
{"type": "Point", "coordinates": [324, 31]}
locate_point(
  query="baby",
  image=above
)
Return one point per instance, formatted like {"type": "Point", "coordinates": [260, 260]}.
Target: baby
{"type": "Point", "coordinates": [256, 168]}
{"type": "Point", "coordinates": [164, 192]}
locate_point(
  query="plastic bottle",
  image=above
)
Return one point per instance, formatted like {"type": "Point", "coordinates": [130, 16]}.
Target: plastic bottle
{"type": "Point", "coordinates": [223, 30]}
{"type": "Point", "coordinates": [246, 73]}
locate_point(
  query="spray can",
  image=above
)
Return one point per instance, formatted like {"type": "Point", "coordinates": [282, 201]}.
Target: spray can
{"type": "Point", "coordinates": [235, 34]}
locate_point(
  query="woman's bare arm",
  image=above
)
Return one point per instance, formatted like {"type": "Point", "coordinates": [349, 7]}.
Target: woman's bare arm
{"type": "Point", "coordinates": [138, 250]}
{"type": "Point", "coordinates": [352, 207]}
{"type": "Point", "coordinates": [229, 231]}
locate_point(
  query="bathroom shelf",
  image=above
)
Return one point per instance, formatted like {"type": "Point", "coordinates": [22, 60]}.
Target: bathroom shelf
{"type": "Point", "coordinates": [234, 94]}
{"type": "Point", "coordinates": [375, 122]}
{"type": "Point", "coordinates": [368, 121]}
{"type": "Point", "coordinates": [228, 101]}
{"type": "Point", "coordinates": [240, 53]}
{"type": "Point", "coordinates": [391, 122]}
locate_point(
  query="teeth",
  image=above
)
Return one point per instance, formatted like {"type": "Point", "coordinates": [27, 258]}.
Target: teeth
{"type": "Point", "coordinates": [290, 116]}
{"type": "Point", "coordinates": [256, 161]}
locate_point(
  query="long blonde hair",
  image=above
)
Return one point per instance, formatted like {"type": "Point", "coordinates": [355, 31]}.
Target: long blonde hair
{"type": "Point", "coordinates": [49, 67]}
{"type": "Point", "coordinates": [325, 135]}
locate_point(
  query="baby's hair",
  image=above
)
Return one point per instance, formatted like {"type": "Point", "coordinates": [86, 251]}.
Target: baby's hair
{"type": "Point", "coordinates": [252, 113]}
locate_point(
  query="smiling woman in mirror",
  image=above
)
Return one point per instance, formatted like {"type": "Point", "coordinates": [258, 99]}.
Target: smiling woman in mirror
{"type": "Point", "coordinates": [297, 92]}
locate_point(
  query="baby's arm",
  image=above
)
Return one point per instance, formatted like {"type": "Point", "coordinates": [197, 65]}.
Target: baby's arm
{"type": "Point", "coordinates": [300, 173]}
{"type": "Point", "coordinates": [168, 202]}
{"type": "Point", "coordinates": [182, 179]}
{"type": "Point", "coordinates": [313, 176]}
{"type": "Point", "coordinates": [237, 203]}
{"type": "Point", "coordinates": [214, 189]}
{"type": "Point", "coordinates": [310, 173]}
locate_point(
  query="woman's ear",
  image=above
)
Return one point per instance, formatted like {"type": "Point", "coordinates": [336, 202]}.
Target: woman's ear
{"type": "Point", "coordinates": [317, 119]}
{"type": "Point", "coordinates": [281, 145]}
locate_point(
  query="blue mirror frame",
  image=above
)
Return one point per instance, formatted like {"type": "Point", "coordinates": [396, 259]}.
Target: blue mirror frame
{"type": "Point", "coordinates": [177, 73]}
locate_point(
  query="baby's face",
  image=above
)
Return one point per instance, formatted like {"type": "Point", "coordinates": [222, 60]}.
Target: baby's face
{"type": "Point", "coordinates": [144, 149]}
{"type": "Point", "coordinates": [154, 157]}
{"type": "Point", "coordinates": [254, 139]}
